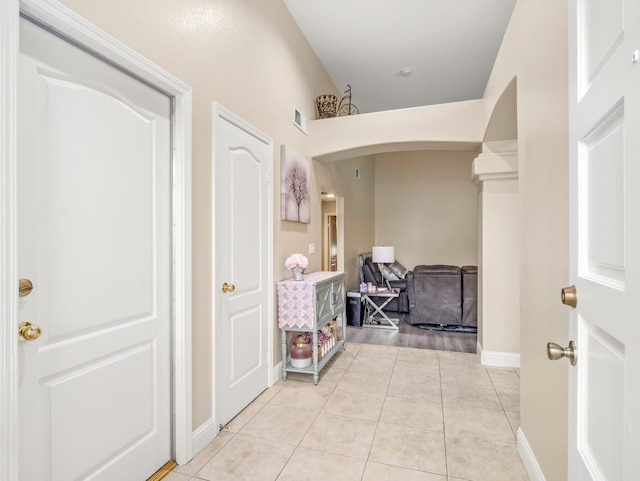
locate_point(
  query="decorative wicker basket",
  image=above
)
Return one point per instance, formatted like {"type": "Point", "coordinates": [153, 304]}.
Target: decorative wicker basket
{"type": "Point", "coordinates": [327, 106]}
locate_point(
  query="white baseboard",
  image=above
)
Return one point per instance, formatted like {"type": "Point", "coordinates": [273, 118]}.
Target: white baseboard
{"type": "Point", "coordinates": [528, 458]}
{"type": "Point", "coordinates": [209, 430]}
{"type": "Point", "coordinates": [276, 374]}
{"type": "Point", "coordinates": [204, 435]}
{"type": "Point", "coordinates": [498, 359]}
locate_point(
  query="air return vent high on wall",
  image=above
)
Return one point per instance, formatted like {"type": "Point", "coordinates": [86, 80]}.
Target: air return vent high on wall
{"type": "Point", "coordinates": [299, 119]}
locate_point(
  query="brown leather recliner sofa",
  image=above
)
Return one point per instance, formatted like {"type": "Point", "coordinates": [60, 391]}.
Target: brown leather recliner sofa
{"type": "Point", "coordinates": [444, 297]}
{"type": "Point", "coordinates": [434, 296]}
{"type": "Point", "coordinates": [469, 296]}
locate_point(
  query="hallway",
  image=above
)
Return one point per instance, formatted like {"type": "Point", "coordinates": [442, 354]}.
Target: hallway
{"type": "Point", "coordinates": [378, 413]}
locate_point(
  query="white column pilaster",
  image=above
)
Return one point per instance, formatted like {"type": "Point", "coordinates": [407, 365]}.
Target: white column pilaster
{"type": "Point", "coordinates": [495, 171]}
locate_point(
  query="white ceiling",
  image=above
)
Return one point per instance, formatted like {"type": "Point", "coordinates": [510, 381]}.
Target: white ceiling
{"type": "Point", "coordinates": [450, 45]}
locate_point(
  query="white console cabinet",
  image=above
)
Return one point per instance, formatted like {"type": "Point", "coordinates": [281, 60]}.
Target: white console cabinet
{"type": "Point", "coordinates": [307, 306]}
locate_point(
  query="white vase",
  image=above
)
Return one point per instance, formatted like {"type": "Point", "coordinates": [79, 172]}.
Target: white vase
{"type": "Point", "coordinates": [297, 273]}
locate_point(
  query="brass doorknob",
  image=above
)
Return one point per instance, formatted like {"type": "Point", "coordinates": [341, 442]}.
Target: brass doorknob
{"type": "Point", "coordinates": [555, 352]}
{"type": "Point", "coordinates": [228, 287]}
{"type": "Point", "coordinates": [24, 287]}
{"type": "Point", "coordinates": [28, 331]}
{"type": "Point", "coordinates": [569, 296]}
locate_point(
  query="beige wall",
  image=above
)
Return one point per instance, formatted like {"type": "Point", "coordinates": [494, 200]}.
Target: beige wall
{"type": "Point", "coordinates": [251, 58]}
{"type": "Point", "coordinates": [427, 207]}
{"type": "Point", "coordinates": [456, 126]}
{"type": "Point", "coordinates": [357, 198]}
{"type": "Point", "coordinates": [499, 273]}
{"type": "Point", "coordinates": [534, 51]}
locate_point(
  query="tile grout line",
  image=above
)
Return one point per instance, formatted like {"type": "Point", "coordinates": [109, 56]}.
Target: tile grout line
{"type": "Point", "coordinates": [504, 411]}
{"type": "Point", "coordinates": [296, 446]}
{"type": "Point", "coordinates": [233, 435]}
{"type": "Point", "coordinates": [444, 426]}
{"type": "Point", "coordinates": [333, 390]}
{"type": "Point", "coordinates": [384, 400]}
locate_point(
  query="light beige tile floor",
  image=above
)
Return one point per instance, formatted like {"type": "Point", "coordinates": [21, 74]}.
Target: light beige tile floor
{"type": "Point", "coordinates": [379, 413]}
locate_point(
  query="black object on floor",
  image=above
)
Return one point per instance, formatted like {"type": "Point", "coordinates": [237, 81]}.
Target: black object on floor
{"type": "Point", "coordinates": [355, 309]}
{"type": "Point", "coordinates": [439, 327]}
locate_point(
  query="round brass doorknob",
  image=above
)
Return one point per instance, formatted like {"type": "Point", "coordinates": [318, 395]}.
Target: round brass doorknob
{"type": "Point", "coordinates": [28, 331]}
{"type": "Point", "coordinates": [569, 296]}
{"type": "Point", "coordinates": [556, 351]}
{"type": "Point", "coordinates": [228, 287]}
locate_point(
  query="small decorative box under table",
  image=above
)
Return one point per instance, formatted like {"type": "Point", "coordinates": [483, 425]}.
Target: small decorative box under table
{"type": "Point", "coordinates": [307, 306]}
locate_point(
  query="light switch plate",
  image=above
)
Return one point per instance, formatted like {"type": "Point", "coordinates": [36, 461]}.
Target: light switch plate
{"type": "Point", "coordinates": [312, 248]}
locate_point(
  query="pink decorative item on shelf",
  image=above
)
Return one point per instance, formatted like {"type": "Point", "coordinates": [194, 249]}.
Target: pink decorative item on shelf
{"type": "Point", "coordinates": [301, 351]}
{"type": "Point", "coordinates": [297, 263]}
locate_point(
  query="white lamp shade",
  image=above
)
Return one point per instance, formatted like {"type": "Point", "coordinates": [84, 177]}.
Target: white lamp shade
{"type": "Point", "coordinates": [383, 254]}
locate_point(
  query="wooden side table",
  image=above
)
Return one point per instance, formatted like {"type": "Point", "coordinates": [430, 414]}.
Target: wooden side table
{"type": "Point", "coordinates": [375, 317]}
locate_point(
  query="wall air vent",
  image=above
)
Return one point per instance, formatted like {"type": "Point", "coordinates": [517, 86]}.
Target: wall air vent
{"type": "Point", "coordinates": [299, 119]}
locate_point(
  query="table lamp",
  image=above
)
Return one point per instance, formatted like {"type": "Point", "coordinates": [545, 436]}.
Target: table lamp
{"type": "Point", "coordinates": [382, 255]}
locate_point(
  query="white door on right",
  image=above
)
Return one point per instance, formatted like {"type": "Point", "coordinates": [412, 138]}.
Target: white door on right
{"type": "Point", "coordinates": [604, 100]}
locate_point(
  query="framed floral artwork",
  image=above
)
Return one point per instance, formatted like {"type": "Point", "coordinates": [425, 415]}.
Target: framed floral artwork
{"type": "Point", "coordinates": [295, 192]}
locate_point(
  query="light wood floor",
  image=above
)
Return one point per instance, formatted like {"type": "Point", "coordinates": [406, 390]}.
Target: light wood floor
{"type": "Point", "coordinates": [413, 336]}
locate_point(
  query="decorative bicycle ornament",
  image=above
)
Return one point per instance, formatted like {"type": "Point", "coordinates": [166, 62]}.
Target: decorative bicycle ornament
{"type": "Point", "coordinates": [346, 107]}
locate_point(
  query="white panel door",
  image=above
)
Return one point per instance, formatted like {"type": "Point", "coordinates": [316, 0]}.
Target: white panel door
{"type": "Point", "coordinates": [94, 237]}
{"type": "Point", "coordinates": [604, 426]}
{"type": "Point", "coordinates": [242, 206]}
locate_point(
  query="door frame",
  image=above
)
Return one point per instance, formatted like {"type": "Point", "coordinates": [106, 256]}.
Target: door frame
{"type": "Point", "coordinates": [326, 248]}
{"type": "Point", "coordinates": [340, 234]}
{"type": "Point", "coordinates": [218, 111]}
{"type": "Point", "coordinates": [79, 30]}
{"type": "Point", "coordinates": [340, 227]}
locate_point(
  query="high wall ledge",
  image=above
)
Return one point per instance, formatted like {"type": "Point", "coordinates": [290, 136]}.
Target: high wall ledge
{"type": "Point", "coordinates": [454, 126]}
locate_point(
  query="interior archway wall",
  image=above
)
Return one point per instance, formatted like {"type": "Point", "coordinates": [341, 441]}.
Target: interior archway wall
{"type": "Point", "coordinates": [462, 127]}
{"type": "Point", "coordinates": [503, 122]}
{"type": "Point", "coordinates": [495, 171]}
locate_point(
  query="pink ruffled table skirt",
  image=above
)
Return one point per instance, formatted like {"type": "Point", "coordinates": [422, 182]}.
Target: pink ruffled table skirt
{"type": "Point", "coordinates": [295, 300]}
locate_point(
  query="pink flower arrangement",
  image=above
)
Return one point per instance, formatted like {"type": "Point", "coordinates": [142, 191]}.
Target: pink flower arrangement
{"type": "Point", "coordinates": [296, 260]}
